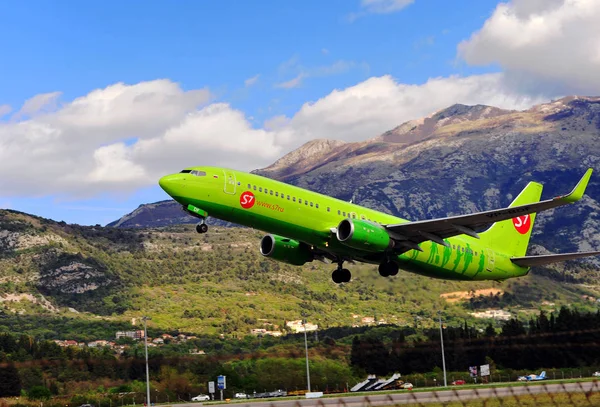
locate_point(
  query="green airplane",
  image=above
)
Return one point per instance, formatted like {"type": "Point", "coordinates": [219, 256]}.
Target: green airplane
{"type": "Point", "coordinates": [303, 226]}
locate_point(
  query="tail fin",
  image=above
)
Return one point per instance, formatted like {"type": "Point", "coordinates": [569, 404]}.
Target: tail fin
{"type": "Point", "coordinates": [512, 236]}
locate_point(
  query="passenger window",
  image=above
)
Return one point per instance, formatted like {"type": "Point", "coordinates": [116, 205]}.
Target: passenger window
{"type": "Point", "coordinates": [344, 213]}
{"type": "Point", "coordinates": [339, 212]}
{"type": "Point", "coordinates": [259, 189]}
{"type": "Point", "coordinates": [299, 200]}
{"type": "Point", "coordinates": [276, 193]}
{"type": "Point", "coordinates": [249, 186]}
{"type": "Point", "coordinates": [271, 191]}
{"type": "Point", "coordinates": [311, 204]}
{"type": "Point", "coordinates": [239, 183]}
{"type": "Point", "coordinates": [294, 199]}
{"type": "Point", "coordinates": [266, 191]}
{"type": "Point", "coordinates": [288, 197]}
{"type": "Point", "coordinates": [317, 206]}
{"type": "Point", "coordinates": [255, 187]}
{"type": "Point", "coordinates": [305, 202]}
{"type": "Point", "coordinates": [362, 217]}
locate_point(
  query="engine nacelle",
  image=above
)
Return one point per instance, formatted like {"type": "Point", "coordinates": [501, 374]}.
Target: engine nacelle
{"type": "Point", "coordinates": [363, 235]}
{"type": "Point", "coordinates": [285, 250]}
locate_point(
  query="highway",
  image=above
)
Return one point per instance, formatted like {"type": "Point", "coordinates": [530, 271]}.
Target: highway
{"type": "Point", "coordinates": [409, 397]}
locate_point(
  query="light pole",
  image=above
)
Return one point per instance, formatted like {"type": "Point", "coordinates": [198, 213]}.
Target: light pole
{"type": "Point", "coordinates": [442, 341]}
{"type": "Point", "coordinates": [145, 318]}
{"type": "Point", "coordinates": [306, 349]}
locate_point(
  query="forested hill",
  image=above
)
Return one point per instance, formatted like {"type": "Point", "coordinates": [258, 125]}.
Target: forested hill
{"type": "Point", "coordinates": [218, 283]}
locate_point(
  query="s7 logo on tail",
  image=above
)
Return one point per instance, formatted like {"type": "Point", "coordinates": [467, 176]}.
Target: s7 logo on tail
{"type": "Point", "coordinates": [522, 223]}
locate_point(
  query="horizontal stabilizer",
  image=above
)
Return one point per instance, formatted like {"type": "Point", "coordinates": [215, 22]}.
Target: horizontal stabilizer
{"type": "Point", "coordinates": [529, 261]}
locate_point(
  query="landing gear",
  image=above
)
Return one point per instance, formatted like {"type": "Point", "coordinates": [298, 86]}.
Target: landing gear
{"type": "Point", "coordinates": [201, 227]}
{"type": "Point", "coordinates": [341, 275]}
{"type": "Point", "coordinates": [389, 268]}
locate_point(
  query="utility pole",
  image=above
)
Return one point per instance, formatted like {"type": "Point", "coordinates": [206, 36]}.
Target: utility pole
{"type": "Point", "coordinates": [442, 342]}
{"type": "Point", "coordinates": [145, 318]}
{"type": "Point", "coordinates": [306, 349]}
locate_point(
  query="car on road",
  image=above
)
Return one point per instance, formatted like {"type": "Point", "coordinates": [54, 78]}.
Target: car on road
{"type": "Point", "coordinates": [240, 396]}
{"type": "Point", "coordinates": [201, 397]}
{"type": "Point", "coordinates": [596, 374]}
{"type": "Point", "coordinates": [458, 382]}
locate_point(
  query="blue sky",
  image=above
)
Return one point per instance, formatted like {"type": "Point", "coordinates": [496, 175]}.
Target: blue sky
{"type": "Point", "coordinates": [263, 59]}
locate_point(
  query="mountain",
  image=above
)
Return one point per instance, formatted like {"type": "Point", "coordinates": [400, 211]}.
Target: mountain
{"type": "Point", "coordinates": [53, 274]}
{"type": "Point", "coordinates": [457, 160]}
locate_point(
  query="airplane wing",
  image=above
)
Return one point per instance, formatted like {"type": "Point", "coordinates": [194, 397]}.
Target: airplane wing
{"type": "Point", "coordinates": [528, 261]}
{"type": "Point", "coordinates": [410, 234]}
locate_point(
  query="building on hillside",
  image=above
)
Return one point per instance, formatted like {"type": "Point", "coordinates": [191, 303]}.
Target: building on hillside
{"type": "Point", "coordinates": [297, 326]}
{"type": "Point", "coordinates": [494, 314]}
{"type": "Point", "coordinates": [368, 320]}
{"type": "Point", "coordinates": [137, 335]}
{"type": "Point", "coordinates": [98, 344]}
{"type": "Point", "coordinates": [66, 343]}
{"type": "Point", "coordinates": [158, 341]}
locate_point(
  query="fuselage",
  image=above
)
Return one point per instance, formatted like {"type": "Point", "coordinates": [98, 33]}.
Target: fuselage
{"type": "Point", "coordinates": [306, 216]}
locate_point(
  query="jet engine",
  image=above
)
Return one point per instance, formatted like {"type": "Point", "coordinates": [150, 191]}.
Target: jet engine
{"type": "Point", "coordinates": [364, 235]}
{"type": "Point", "coordinates": [285, 250]}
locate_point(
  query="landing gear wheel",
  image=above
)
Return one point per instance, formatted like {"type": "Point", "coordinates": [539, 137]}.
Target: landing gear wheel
{"type": "Point", "coordinates": [341, 275]}
{"type": "Point", "coordinates": [337, 276]}
{"type": "Point", "coordinates": [202, 227]}
{"type": "Point", "coordinates": [389, 268]}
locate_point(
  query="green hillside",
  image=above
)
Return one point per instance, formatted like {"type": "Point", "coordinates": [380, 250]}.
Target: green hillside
{"type": "Point", "coordinates": [218, 283]}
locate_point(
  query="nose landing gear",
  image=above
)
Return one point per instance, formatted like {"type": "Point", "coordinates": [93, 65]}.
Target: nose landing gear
{"type": "Point", "coordinates": [201, 227]}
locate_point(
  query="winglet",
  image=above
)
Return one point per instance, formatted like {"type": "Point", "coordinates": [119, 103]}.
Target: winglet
{"type": "Point", "coordinates": [579, 189]}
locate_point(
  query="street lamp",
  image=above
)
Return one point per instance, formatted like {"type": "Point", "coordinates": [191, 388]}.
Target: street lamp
{"type": "Point", "coordinates": [442, 341]}
{"type": "Point", "coordinates": [306, 349]}
{"type": "Point", "coordinates": [145, 318]}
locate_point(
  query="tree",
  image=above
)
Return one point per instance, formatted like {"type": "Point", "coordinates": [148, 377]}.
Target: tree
{"type": "Point", "coordinates": [39, 393]}
{"type": "Point", "coordinates": [10, 382]}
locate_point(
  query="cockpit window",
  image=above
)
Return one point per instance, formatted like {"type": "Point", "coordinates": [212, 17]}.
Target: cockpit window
{"type": "Point", "coordinates": [186, 171]}
{"type": "Point", "coordinates": [199, 173]}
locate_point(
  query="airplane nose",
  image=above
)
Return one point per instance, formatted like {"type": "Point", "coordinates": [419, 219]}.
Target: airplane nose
{"type": "Point", "coordinates": [167, 183]}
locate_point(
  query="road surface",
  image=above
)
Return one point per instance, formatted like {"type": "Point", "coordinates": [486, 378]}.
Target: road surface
{"type": "Point", "coordinates": [409, 397]}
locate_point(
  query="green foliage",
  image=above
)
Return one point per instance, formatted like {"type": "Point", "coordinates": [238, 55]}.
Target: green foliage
{"type": "Point", "coordinates": [39, 393]}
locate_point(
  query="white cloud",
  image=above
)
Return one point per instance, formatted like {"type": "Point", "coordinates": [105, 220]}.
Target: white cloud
{"type": "Point", "coordinates": [251, 81]}
{"type": "Point", "coordinates": [4, 110]}
{"type": "Point", "coordinates": [292, 83]}
{"type": "Point", "coordinates": [380, 103]}
{"type": "Point", "coordinates": [293, 64]}
{"type": "Point", "coordinates": [542, 45]}
{"type": "Point", "coordinates": [384, 6]}
{"type": "Point", "coordinates": [41, 103]}
{"type": "Point", "coordinates": [324, 51]}
{"type": "Point", "coordinates": [5, 205]}
{"type": "Point", "coordinates": [379, 7]}
{"type": "Point", "coordinates": [79, 150]}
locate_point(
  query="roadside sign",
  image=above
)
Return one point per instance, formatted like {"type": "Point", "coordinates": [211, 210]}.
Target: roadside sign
{"type": "Point", "coordinates": [485, 370]}
{"type": "Point", "coordinates": [211, 387]}
{"type": "Point", "coordinates": [221, 382]}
